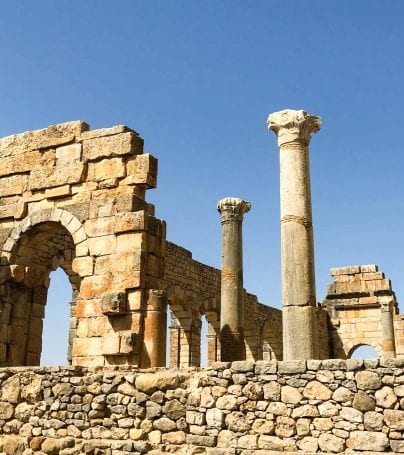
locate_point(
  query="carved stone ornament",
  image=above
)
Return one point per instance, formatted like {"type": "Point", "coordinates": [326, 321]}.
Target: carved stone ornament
{"type": "Point", "coordinates": [232, 209]}
{"type": "Point", "coordinates": [293, 126]}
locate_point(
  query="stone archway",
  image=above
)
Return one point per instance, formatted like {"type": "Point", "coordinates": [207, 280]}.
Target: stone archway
{"type": "Point", "coordinates": [351, 347]}
{"type": "Point", "coordinates": [43, 242]}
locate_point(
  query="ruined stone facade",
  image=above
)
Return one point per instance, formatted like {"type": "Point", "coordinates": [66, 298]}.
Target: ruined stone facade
{"type": "Point", "coordinates": [75, 198]}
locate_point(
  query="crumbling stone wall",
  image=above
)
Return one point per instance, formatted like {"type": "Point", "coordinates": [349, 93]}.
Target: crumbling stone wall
{"type": "Point", "coordinates": [75, 198]}
{"type": "Point", "coordinates": [193, 290]}
{"type": "Point", "coordinates": [244, 408]}
{"type": "Point", "coordinates": [363, 310]}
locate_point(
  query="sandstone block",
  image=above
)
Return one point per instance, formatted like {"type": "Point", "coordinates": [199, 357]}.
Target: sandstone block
{"type": "Point", "coordinates": [290, 395]}
{"type": "Point", "coordinates": [385, 397]}
{"type": "Point", "coordinates": [149, 383]}
{"type": "Point", "coordinates": [315, 390]}
{"type": "Point", "coordinates": [109, 168]}
{"type": "Point", "coordinates": [271, 443]}
{"type": "Point", "coordinates": [215, 418]}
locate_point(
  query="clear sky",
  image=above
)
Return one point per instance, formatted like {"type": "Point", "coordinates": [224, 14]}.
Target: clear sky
{"type": "Point", "coordinates": [197, 80]}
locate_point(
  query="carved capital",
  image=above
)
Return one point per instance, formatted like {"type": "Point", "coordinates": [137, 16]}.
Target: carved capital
{"type": "Point", "coordinates": [387, 304]}
{"type": "Point", "coordinates": [293, 126]}
{"type": "Point", "coordinates": [232, 209]}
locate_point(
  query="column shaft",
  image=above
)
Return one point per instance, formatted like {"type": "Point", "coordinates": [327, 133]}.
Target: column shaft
{"type": "Point", "coordinates": [300, 337]}
{"type": "Point", "coordinates": [155, 330]}
{"type": "Point", "coordinates": [387, 323]}
{"type": "Point", "coordinates": [232, 345]}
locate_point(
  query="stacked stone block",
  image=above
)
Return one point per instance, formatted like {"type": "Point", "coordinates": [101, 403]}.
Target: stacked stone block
{"type": "Point", "coordinates": [363, 311]}
{"type": "Point", "coordinates": [239, 408]}
{"type": "Point", "coordinates": [193, 290]}
{"type": "Point", "coordinates": [75, 198]}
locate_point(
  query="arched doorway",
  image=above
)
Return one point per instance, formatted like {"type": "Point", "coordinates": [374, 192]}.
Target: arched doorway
{"type": "Point", "coordinates": [37, 252]}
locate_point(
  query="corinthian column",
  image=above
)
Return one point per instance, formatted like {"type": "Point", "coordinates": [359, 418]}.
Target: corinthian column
{"type": "Point", "coordinates": [232, 345]}
{"type": "Point", "coordinates": [293, 130]}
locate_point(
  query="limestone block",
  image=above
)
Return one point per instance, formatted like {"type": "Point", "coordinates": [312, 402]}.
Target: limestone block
{"type": "Point", "coordinates": [368, 440]}
{"type": "Point", "coordinates": [149, 382]}
{"type": "Point", "coordinates": [266, 442]}
{"type": "Point", "coordinates": [330, 443]}
{"type": "Point", "coordinates": [67, 154]}
{"type": "Point", "coordinates": [17, 211]}
{"type": "Point", "coordinates": [109, 168]}
{"type": "Point", "coordinates": [100, 226]}
{"type": "Point", "coordinates": [83, 265]}
{"type": "Point", "coordinates": [57, 192]}
{"type": "Point", "coordinates": [95, 286]}
{"type": "Point", "coordinates": [315, 390]}
{"type": "Point", "coordinates": [130, 242]}
{"type": "Point", "coordinates": [142, 170]}
{"type": "Point", "coordinates": [367, 380]}
{"type": "Point", "coordinates": [114, 303]}
{"type": "Point", "coordinates": [128, 341]}
{"type": "Point", "coordinates": [15, 184]}
{"type": "Point", "coordinates": [54, 176]}
{"type": "Point", "coordinates": [87, 346]}
{"type": "Point", "coordinates": [109, 146]}
{"type": "Point", "coordinates": [135, 299]}
{"type": "Point", "coordinates": [110, 344]}
{"type": "Point", "coordinates": [105, 244]}
{"type": "Point", "coordinates": [132, 221]}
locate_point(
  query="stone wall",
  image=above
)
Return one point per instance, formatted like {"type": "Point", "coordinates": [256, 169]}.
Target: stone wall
{"type": "Point", "coordinates": [193, 290]}
{"type": "Point", "coordinates": [245, 408]}
{"type": "Point", "coordinates": [75, 198]}
{"type": "Point", "coordinates": [363, 310]}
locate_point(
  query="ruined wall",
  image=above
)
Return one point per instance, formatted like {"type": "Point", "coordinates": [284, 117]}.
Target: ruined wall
{"type": "Point", "coordinates": [328, 406]}
{"type": "Point", "coordinates": [75, 199]}
{"type": "Point", "coordinates": [193, 290]}
{"type": "Point", "coordinates": [363, 310]}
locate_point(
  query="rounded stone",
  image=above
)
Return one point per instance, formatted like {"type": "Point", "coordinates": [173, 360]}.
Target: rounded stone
{"type": "Point", "coordinates": [367, 380]}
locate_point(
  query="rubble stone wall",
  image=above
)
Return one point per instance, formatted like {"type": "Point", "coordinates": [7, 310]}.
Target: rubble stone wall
{"type": "Point", "coordinates": [193, 290]}
{"type": "Point", "coordinates": [244, 408]}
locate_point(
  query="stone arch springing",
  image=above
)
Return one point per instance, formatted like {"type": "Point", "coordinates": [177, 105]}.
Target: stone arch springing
{"type": "Point", "coordinates": [210, 309]}
{"type": "Point", "coordinates": [41, 243]}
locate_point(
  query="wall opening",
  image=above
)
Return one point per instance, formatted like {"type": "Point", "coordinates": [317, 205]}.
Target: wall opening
{"type": "Point", "coordinates": [364, 351]}
{"type": "Point", "coordinates": [204, 342]}
{"type": "Point", "coordinates": [55, 332]}
{"type": "Point", "coordinates": [39, 251]}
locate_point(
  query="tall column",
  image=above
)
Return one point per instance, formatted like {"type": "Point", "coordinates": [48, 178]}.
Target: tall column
{"type": "Point", "coordinates": [155, 330]}
{"type": "Point", "coordinates": [387, 323]}
{"type": "Point", "coordinates": [232, 345]}
{"type": "Point", "coordinates": [293, 130]}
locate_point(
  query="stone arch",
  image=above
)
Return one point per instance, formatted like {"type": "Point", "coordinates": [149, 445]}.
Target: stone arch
{"type": "Point", "coordinates": [185, 328]}
{"type": "Point", "coordinates": [270, 341]}
{"type": "Point", "coordinates": [350, 347]}
{"type": "Point", "coordinates": [211, 309]}
{"type": "Point", "coordinates": [56, 215]}
{"type": "Point", "coordinates": [42, 242]}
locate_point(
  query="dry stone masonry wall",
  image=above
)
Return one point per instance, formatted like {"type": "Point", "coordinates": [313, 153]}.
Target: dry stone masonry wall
{"type": "Point", "coordinates": [244, 408]}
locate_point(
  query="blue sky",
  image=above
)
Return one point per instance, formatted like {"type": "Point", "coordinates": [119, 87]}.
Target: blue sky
{"type": "Point", "coordinates": [197, 80]}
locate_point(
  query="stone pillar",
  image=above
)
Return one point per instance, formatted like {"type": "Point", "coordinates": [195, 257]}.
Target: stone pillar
{"type": "Point", "coordinates": [232, 345]}
{"type": "Point", "coordinates": [293, 130]}
{"type": "Point", "coordinates": [387, 323]}
{"type": "Point", "coordinates": [155, 330]}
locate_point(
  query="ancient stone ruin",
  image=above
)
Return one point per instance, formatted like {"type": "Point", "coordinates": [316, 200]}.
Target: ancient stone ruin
{"type": "Point", "coordinates": [277, 381]}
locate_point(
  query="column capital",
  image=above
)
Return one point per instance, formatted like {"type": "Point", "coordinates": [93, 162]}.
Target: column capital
{"type": "Point", "coordinates": [387, 304]}
{"type": "Point", "coordinates": [232, 209]}
{"type": "Point", "coordinates": [293, 126]}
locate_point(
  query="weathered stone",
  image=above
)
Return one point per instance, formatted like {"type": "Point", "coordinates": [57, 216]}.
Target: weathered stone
{"type": "Point", "coordinates": [272, 391]}
{"type": "Point", "coordinates": [342, 395]}
{"type": "Point", "coordinates": [394, 419]}
{"type": "Point", "coordinates": [6, 410]}
{"type": "Point", "coordinates": [351, 415]}
{"type": "Point", "coordinates": [285, 427]}
{"type": "Point", "coordinates": [290, 395]}
{"type": "Point", "coordinates": [368, 440]}
{"type": "Point", "coordinates": [327, 409]}
{"type": "Point", "coordinates": [363, 402]}
{"type": "Point", "coordinates": [149, 383]}
{"type": "Point", "coordinates": [308, 444]}
{"type": "Point", "coordinates": [385, 397]}
{"type": "Point", "coordinates": [215, 418]}
{"type": "Point", "coordinates": [270, 443]}
{"type": "Point", "coordinates": [173, 409]}
{"type": "Point", "coordinates": [366, 380]}
{"type": "Point", "coordinates": [330, 443]}
{"type": "Point", "coordinates": [314, 390]}
{"type": "Point", "coordinates": [248, 442]}
{"type": "Point", "coordinates": [263, 426]}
